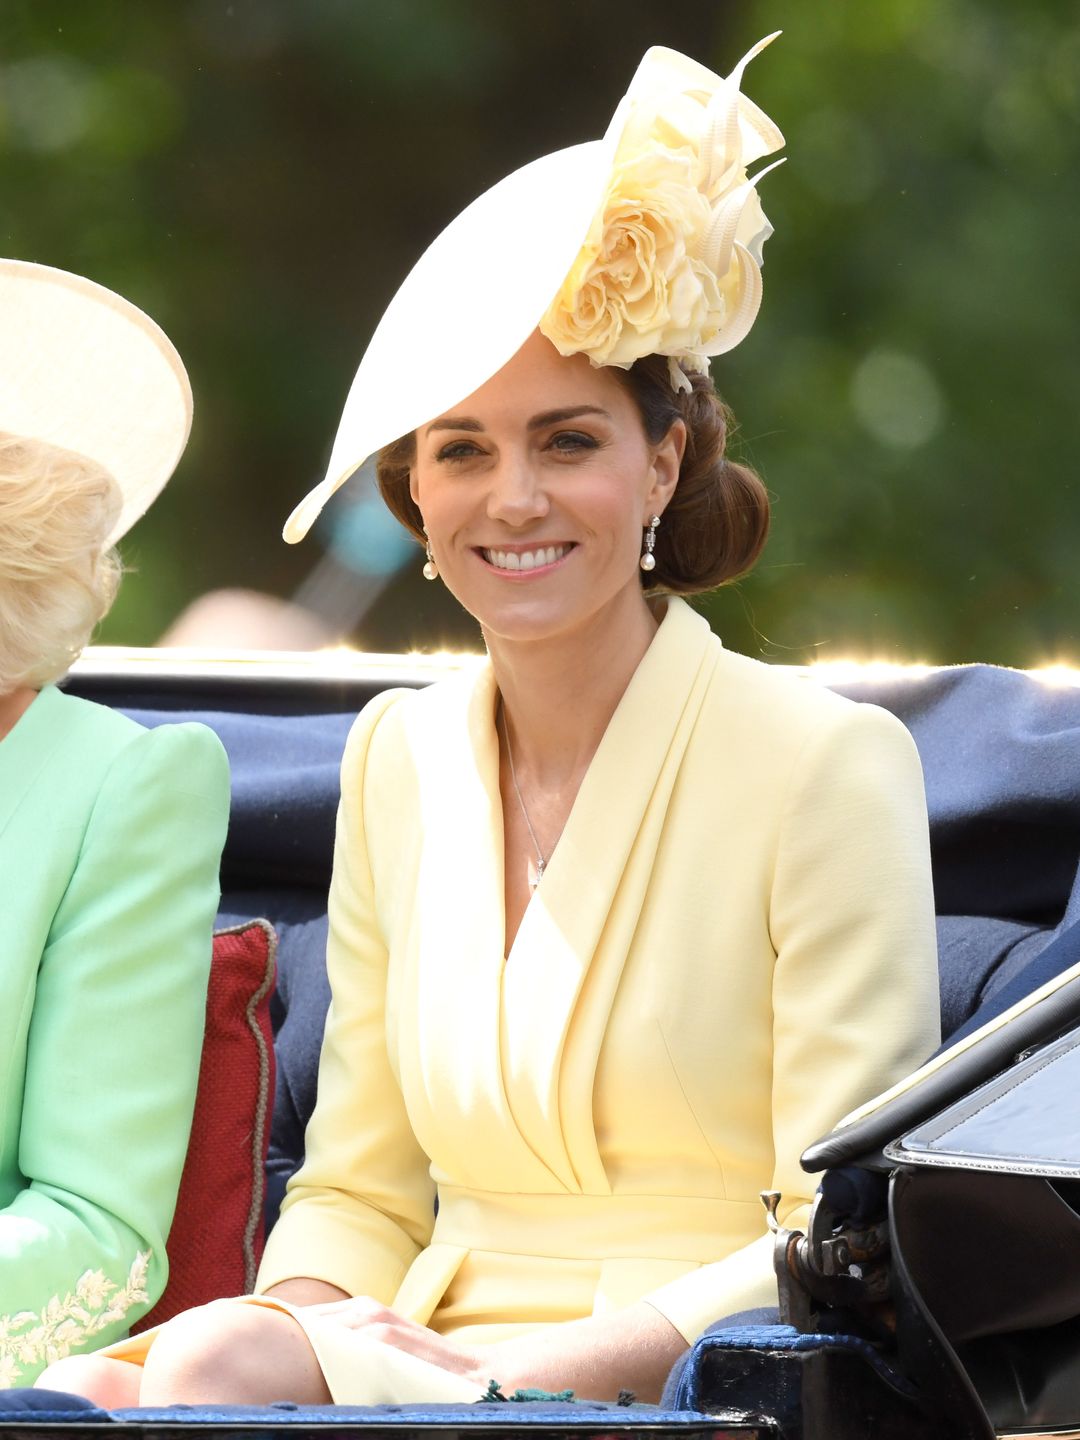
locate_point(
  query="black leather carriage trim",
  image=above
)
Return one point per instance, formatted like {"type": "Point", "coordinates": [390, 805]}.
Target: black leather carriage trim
{"type": "Point", "coordinates": [941, 1142]}
{"type": "Point", "coordinates": [960, 1075]}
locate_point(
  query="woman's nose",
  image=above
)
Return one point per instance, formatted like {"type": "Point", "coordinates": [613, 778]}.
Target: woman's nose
{"type": "Point", "coordinates": [516, 494]}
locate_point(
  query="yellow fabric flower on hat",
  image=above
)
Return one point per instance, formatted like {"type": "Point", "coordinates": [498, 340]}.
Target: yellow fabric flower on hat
{"type": "Point", "coordinates": [671, 264]}
{"type": "Point", "coordinates": [636, 287]}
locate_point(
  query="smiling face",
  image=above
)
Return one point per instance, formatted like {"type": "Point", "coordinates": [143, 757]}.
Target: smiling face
{"type": "Point", "coordinates": [535, 491]}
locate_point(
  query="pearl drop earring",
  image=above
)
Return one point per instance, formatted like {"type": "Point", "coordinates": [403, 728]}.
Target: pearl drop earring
{"type": "Point", "coordinates": [648, 559]}
{"type": "Point", "coordinates": [431, 570]}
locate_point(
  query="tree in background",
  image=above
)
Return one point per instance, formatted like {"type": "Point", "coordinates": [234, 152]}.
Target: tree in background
{"type": "Point", "coordinates": [260, 176]}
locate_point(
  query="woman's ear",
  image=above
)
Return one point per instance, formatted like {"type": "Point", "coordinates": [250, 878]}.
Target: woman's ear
{"type": "Point", "coordinates": [414, 488]}
{"type": "Point", "coordinates": [667, 463]}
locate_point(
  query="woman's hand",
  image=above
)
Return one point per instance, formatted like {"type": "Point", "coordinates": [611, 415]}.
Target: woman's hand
{"type": "Point", "coordinates": [630, 1349]}
{"type": "Point", "coordinates": [386, 1326]}
{"type": "Point", "coordinates": [597, 1357]}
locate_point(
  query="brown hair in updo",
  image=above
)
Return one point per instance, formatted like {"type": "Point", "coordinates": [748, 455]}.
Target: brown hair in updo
{"type": "Point", "coordinates": [716, 522]}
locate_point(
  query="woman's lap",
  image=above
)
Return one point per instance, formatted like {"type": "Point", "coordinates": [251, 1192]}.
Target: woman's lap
{"type": "Point", "coordinates": [252, 1350]}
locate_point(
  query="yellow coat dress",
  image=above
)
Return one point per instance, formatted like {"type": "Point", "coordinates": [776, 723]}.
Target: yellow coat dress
{"type": "Point", "coordinates": [731, 946]}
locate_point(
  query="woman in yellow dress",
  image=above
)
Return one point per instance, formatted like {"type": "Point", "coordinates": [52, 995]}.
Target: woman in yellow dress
{"type": "Point", "coordinates": [620, 921]}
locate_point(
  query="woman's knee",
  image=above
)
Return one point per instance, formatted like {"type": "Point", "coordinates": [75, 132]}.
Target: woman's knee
{"type": "Point", "coordinates": [193, 1352]}
{"type": "Point", "coordinates": [112, 1384]}
{"type": "Point", "coordinates": [231, 1354]}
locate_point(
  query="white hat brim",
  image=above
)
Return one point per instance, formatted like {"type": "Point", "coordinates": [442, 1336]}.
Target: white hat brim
{"type": "Point", "coordinates": [84, 369]}
{"type": "Point", "coordinates": [466, 308]}
{"type": "Point", "coordinates": [484, 284]}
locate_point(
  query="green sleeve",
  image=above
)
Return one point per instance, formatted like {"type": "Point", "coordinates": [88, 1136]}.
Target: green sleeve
{"type": "Point", "coordinates": [113, 1055]}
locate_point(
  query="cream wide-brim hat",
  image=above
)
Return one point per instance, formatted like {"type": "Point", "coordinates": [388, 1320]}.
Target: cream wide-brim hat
{"type": "Point", "coordinates": [485, 283]}
{"type": "Point", "coordinates": [84, 369]}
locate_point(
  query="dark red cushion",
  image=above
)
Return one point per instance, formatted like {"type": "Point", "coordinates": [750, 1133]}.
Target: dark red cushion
{"type": "Point", "coordinates": [216, 1239]}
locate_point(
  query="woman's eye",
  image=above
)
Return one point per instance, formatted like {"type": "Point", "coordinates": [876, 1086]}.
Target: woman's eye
{"type": "Point", "coordinates": [568, 441]}
{"type": "Point", "coordinates": [458, 450]}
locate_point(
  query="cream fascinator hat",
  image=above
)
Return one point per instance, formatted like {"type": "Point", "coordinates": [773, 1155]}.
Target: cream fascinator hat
{"type": "Point", "coordinates": [84, 369]}
{"type": "Point", "coordinates": [645, 242]}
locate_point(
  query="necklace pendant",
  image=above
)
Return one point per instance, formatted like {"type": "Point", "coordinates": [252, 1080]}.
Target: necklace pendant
{"type": "Point", "coordinates": [535, 872]}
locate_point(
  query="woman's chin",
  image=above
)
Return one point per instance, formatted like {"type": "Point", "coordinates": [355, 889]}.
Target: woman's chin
{"type": "Point", "coordinates": [547, 608]}
{"type": "Point", "coordinates": [555, 622]}
{"type": "Point", "coordinates": [526, 625]}
{"type": "Point", "coordinates": [513, 611]}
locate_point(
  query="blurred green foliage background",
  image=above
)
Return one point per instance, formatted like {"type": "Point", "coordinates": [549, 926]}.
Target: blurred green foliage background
{"type": "Point", "coordinates": [260, 175]}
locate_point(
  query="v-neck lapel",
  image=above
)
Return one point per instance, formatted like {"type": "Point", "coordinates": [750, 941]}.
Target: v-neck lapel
{"type": "Point", "coordinates": [458, 929]}
{"type": "Point", "coordinates": [569, 951]}
{"type": "Point", "coordinates": [514, 1046]}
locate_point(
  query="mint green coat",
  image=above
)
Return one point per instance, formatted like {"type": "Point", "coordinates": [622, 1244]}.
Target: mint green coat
{"type": "Point", "coordinates": [110, 840]}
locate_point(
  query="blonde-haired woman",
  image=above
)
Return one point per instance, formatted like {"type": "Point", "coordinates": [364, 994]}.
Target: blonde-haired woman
{"type": "Point", "coordinates": [58, 577]}
{"type": "Point", "coordinates": [110, 836]}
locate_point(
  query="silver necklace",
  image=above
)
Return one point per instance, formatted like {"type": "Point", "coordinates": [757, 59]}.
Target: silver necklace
{"type": "Point", "coordinates": [541, 863]}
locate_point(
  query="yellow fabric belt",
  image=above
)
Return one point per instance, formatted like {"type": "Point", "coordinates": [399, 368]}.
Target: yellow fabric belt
{"type": "Point", "coordinates": [691, 1228]}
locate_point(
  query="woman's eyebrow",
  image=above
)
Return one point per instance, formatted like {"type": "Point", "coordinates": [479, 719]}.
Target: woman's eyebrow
{"type": "Point", "coordinates": [555, 417]}
{"type": "Point", "coordinates": [454, 422]}
{"type": "Point", "coordinates": [538, 422]}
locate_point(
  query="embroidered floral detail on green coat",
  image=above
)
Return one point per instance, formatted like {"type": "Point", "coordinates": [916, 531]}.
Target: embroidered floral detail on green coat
{"type": "Point", "coordinates": [30, 1340]}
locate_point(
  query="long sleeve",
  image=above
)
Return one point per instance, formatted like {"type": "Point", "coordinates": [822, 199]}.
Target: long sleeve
{"type": "Point", "coordinates": [112, 1055]}
{"type": "Point", "coordinates": [855, 998]}
{"type": "Point", "coordinates": [361, 1207]}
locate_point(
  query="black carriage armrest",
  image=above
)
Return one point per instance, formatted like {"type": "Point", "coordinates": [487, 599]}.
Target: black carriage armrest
{"type": "Point", "coordinates": [1024, 1121]}
{"type": "Point", "coordinates": [950, 1075]}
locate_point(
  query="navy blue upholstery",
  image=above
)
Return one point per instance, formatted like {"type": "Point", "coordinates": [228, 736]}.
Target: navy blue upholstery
{"type": "Point", "coordinates": [580, 1415]}
{"type": "Point", "coordinates": [683, 1380]}
{"type": "Point", "coordinates": [1001, 756]}
{"type": "Point", "coordinates": [46, 1407]}
{"type": "Point", "coordinates": [50, 1408]}
{"type": "Point", "coordinates": [284, 793]}
{"type": "Point", "coordinates": [687, 1387]}
{"type": "Point", "coordinates": [821, 1386]}
{"type": "Point", "coordinates": [1014, 980]}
